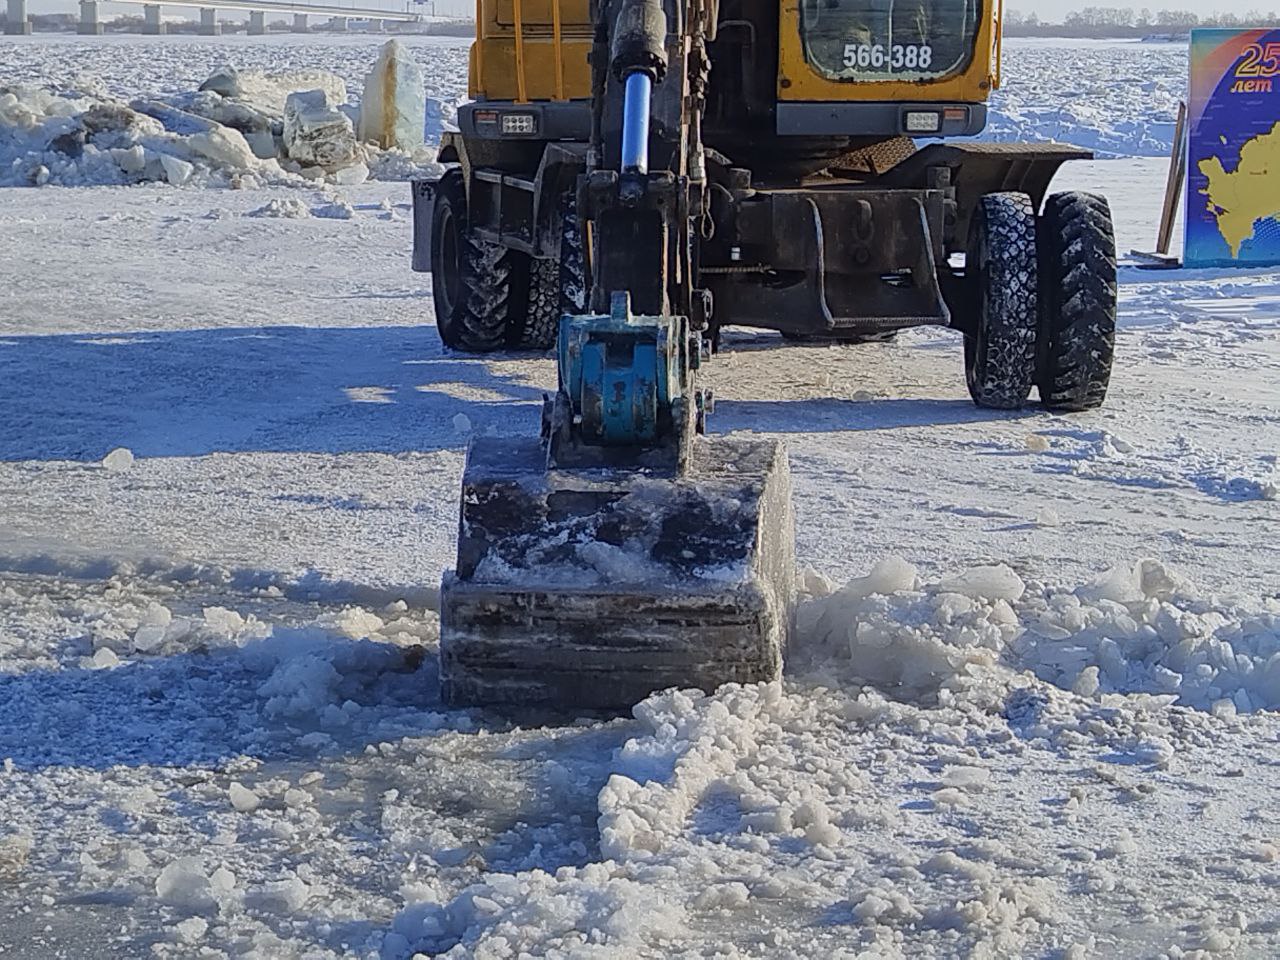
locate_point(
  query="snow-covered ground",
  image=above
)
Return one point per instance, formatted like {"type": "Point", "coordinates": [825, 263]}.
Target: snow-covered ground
{"type": "Point", "coordinates": [1048, 730]}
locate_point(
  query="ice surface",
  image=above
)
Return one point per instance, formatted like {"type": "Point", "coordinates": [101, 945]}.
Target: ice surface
{"type": "Point", "coordinates": [1139, 703]}
{"type": "Point", "coordinates": [394, 106]}
{"type": "Point", "coordinates": [766, 804]}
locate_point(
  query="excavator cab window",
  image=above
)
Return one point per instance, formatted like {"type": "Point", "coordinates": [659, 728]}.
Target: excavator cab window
{"type": "Point", "coordinates": [870, 40]}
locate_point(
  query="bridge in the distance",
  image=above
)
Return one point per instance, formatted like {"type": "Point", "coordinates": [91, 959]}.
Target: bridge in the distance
{"type": "Point", "coordinates": [153, 22]}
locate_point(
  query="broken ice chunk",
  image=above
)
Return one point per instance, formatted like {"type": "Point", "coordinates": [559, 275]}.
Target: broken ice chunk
{"type": "Point", "coordinates": [352, 176]}
{"type": "Point", "coordinates": [118, 460]}
{"type": "Point", "coordinates": [184, 884]}
{"type": "Point", "coordinates": [176, 171]}
{"type": "Point", "coordinates": [225, 147]}
{"type": "Point", "coordinates": [394, 107]}
{"type": "Point", "coordinates": [1048, 517]}
{"type": "Point", "coordinates": [966, 778]}
{"type": "Point", "coordinates": [284, 208]}
{"type": "Point", "coordinates": [316, 133]}
{"type": "Point", "coordinates": [132, 160]}
{"type": "Point", "coordinates": [987, 583]}
{"type": "Point", "coordinates": [267, 91]}
{"type": "Point", "coordinates": [889, 576]}
{"type": "Point", "coordinates": [191, 930]}
{"type": "Point", "coordinates": [283, 896]}
{"type": "Point", "coordinates": [148, 639]}
{"type": "Point", "coordinates": [105, 659]}
{"type": "Point", "coordinates": [262, 143]}
{"type": "Point", "coordinates": [224, 80]}
{"type": "Point", "coordinates": [337, 210]}
{"type": "Point", "coordinates": [242, 798]}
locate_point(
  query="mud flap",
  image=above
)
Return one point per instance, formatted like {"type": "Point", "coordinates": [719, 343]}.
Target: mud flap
{"type": "Point", "coordinates": [424, 201]}
{"type": "Point", "coordinates": [594, 588]}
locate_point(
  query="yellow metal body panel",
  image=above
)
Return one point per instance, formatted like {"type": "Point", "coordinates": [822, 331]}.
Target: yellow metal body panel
{"type": "Point", "coordinates": [573, 13]}
{"type": "Point", "coordinates": [797, 80]}
{"type": "Point", "coordinates": [499, 75]}
{"type": "Point", "coordinates": [531, 50]}
{"type": "Point", "coordinates": [518, 41]}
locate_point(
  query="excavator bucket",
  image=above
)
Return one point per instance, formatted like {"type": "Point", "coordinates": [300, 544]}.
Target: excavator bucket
{"type": "Point", "coordinates": [595, 587]}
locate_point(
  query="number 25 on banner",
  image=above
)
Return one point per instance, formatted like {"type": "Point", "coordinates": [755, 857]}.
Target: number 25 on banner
{"type": "Point", "coordinates": [1260, 62]}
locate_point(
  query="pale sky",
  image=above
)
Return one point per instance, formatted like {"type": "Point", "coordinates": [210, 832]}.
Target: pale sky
{"type": "Point", "coordinates": [1052, 10]}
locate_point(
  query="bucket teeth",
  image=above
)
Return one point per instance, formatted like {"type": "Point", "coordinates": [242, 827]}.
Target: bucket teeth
{"type": "Point", "coordinates": [594, 588]}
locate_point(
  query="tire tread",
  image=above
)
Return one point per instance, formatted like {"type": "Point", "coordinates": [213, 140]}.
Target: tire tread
{"type": "Point", "coordinates": [1078, 313]}
{"type": "Point", "coordinates": [1001, 356]}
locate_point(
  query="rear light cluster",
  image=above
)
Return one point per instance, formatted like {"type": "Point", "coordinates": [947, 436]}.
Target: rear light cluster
{"type": "Point", "coordinates": [934, 121]}
{"type": "Point", "coordinates": [923, 121]}
{"type": "Point", "coordinates": [517, 124]}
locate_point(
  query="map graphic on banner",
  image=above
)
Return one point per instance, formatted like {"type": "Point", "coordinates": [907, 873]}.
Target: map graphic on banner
{"type": "Point", "coordinates": [1233, 194]}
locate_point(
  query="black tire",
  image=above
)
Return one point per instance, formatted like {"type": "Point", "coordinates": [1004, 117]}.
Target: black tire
{"type": "Point", "coordinates": [1001, 267]}
{"type": "Point", "coordinates": [556, 287]}
{"type": "Point", "coordinates": [1077, 301]}
{"type": "Point", "coordinates": [475, 284]}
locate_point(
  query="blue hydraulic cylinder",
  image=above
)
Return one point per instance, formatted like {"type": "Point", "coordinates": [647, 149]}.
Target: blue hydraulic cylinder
{"type": "Point", "coordinates": [635, 122]}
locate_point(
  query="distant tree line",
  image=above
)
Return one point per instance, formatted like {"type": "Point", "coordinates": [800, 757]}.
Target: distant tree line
{"type": "Point", "coordinates": [1126, 22]}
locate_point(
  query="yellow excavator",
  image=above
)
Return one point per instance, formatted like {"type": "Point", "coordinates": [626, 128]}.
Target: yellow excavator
{"type": "Point", "coordinates": [631, 176]}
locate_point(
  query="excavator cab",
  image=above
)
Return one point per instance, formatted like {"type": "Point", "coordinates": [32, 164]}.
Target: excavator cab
{"type": "Point", "coordinates": [634, 175]}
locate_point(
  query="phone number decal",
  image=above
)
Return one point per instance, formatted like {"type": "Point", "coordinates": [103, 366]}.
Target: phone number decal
{"type": "Point", "coordinates": [876, 56]}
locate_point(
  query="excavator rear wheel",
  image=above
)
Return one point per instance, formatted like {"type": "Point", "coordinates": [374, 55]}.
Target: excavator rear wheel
{"type": "Point", "coordinates": [477, 285]}
{"type": "Point", "coordinates": [1078, 301]}
{"type": "Point", "coordinates": [1001, 266]}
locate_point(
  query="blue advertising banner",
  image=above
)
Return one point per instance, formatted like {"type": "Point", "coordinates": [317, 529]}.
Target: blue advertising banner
{"type": "Point", "coordinates": [1233, 193]}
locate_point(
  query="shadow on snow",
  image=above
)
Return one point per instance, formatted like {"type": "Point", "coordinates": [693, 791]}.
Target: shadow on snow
{"type": "Point", "coordinates": [203, 707]}
{"type": "Point", "coordinates": [272, 389]}
{"type": "Point", "coordinates": [321, 390]}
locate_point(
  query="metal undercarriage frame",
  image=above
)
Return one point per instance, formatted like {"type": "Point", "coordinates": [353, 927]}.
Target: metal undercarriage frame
{"type": "Point", "coordinates": [842, 253]}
